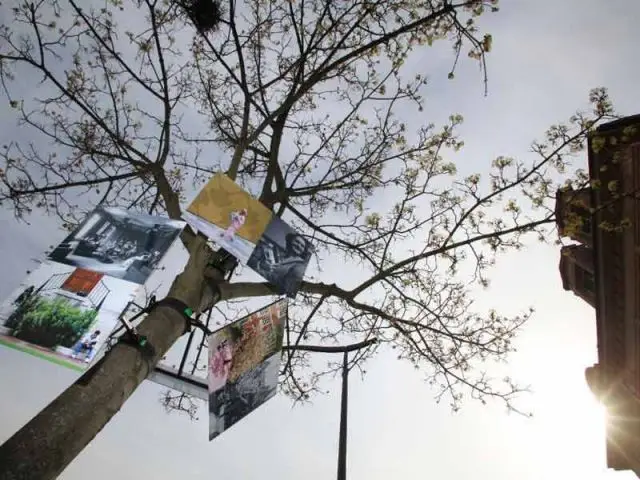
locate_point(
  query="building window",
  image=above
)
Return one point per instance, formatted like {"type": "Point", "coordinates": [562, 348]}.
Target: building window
{"type": "Point", "coordinates": [584, 280]}
{"type": "Point", "coordinates": [586, 225]}
{"type": "Point", "coordinates": [583, 216]}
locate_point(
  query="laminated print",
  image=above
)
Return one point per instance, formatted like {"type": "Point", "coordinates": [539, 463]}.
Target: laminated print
{"type": "Point", "coordinates": [64, 314]}
{"type": "Point", "coordinates": [244, 363]}
{"type": "Point", "coordinates": [229, 216]}
{"type": "Point", "coordinates": [281, 257]}
{"type": "Point", "coordinates": [119, 243]}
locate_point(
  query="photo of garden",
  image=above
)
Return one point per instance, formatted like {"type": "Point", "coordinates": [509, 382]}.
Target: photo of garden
{"type": "Point", "coordinates": [64, 314]}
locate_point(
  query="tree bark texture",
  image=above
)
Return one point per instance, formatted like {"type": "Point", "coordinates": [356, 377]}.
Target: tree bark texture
{"type": "Point", "coordinates": [44, 447]}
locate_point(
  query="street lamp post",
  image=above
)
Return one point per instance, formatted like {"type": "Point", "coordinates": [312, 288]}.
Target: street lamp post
{"type": "Point", "coordinates": [342, 445]}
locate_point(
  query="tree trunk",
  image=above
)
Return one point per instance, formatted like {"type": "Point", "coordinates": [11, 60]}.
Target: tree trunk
{"type": "Point", "coordinates": [44, 447]}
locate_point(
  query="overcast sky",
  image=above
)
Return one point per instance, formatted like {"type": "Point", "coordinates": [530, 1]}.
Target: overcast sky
{"type": "Point", "coordinates": [546, 56]}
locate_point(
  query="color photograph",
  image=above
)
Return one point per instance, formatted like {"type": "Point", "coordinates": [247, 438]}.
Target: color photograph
{"type": "Point", "coordinates": [229, 216]}
{"type": "Point", "coordinates": [244, 362]}
{"type": "Point", "coordinates": [281, 257]}
{"type": "Point", "coordinates": [119, 243]}
{"type": "Point", "coordinates": [63, 314]}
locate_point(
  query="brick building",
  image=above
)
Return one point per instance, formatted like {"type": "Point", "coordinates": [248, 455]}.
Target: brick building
{"type": "Point", "coordinates": [603, 269]}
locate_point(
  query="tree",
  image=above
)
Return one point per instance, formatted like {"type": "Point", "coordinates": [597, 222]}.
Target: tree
{"type": "Point", "coordinates": [134, 100]}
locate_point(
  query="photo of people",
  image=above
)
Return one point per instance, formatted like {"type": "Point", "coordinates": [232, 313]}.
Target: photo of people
{"type": "Point", "coordinates": [63, 314]}
{"type": "Point", "coordinates": [119, 243]}
{"type": "Point", "coordinates": [244, 362]}
{"type": "Point", "coordinates": [86, 346]}
{"type": "Point", "coordinates": [229, 216]}
{"type": "Point", "coordinates": [281, 257]}
{"type": "Point", "coordinates": [237, 220]}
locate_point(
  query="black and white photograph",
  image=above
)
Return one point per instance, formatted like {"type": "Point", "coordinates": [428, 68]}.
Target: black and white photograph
{"type": "Point", "coordinates": [238, 399]}
{"type": "Point", "coordinates": [281, 257]}
{"type": "Point", "coordinates": [119, 243]}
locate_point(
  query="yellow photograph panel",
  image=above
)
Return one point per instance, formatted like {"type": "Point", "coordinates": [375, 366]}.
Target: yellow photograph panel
{"type": "Point", "coordinates": [229, 216]}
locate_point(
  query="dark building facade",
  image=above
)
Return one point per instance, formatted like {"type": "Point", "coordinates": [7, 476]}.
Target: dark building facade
{"type": "Point", "coordinates": [603, 269]}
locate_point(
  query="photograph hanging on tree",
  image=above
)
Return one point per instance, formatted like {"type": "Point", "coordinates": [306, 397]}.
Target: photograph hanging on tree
{"type": "Point", "coordinates": [229, 216]}
{"type": "Point", "coordinates": [281, 257]}
{"type": "Point", "coordinates": [244, 363]}
{"type": "Point", "coordinates": [64, 314]}
{"type": "Point", "coordinates": [119, 243]}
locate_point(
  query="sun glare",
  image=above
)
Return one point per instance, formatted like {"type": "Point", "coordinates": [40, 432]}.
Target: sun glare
{"type": "Point", "coordinates": [594, 408]}
{"type": "Point", "coordinates": [579, 420]}
{"type": "Point", "coordinates": [591, 410]}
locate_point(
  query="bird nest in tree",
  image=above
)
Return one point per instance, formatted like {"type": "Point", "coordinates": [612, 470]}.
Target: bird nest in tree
{"type": "Point", "coordinates": [205, 14]}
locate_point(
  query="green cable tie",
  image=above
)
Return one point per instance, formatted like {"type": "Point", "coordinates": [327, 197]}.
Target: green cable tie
{"type": "Point", "coordinates": [188, 312]}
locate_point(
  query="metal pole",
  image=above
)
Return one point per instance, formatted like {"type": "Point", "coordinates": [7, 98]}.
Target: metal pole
{"type": "Point", "coordinates": [204, 339]}
{"type": "Point", "coordinates": [186, 352]}
{"type": "Point", "coordinates": [342, 446]}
